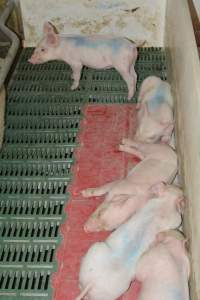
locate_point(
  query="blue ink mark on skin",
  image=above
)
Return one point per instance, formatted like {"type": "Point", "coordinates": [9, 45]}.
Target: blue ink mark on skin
{"type": "Point", "coordinates": [175, 294]}
{"type": "Point", "coordinates": [136, 245]}
{"type": "Point", "coordinates": [115, 43]}
{"type": "Point", "coordinates": [157, 99]}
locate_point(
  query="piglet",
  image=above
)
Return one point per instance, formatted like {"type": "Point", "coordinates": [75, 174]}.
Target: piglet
{"type": "Point", "coordinates": [155, 111]}
{"type": "Point", "coordinates": [164, 269]}
{"type": "Point", "coordinates": [95, 51]}
{"type": "Point", "coordinates": [126, 196]}
{"type": "Point", "coordinates": [108, 267]}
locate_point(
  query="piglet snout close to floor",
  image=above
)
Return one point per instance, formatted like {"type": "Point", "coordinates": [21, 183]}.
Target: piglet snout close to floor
{"type": "Point", "coordinates": [108, 267]}
{"type": "Point", "coordinates": [95, 51]}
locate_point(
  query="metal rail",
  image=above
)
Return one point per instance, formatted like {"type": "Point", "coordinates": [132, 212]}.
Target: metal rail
{"type": "Point", "coordinates": [13, 39]}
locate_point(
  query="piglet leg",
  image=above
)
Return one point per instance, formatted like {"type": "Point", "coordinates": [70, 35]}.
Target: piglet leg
{"type": "Point", "coordinates": [131, 150]}
{"type": "Point", "coordinates": [128, 78]}
{"type": "Point", "coordinates": [76, 75]}
{"type": "Point", "coordinates": [134, 75]}
{"type": "Point", "coordinates": [130, 142]}
{"type": "Point", "coordinates": [84, 292]}
{"type": "Point", "coordinates": [140, 146]}
{"type": "Point", "coordinates": [99, 191]}
{"type": "Point", "coordinates": [131, 147]}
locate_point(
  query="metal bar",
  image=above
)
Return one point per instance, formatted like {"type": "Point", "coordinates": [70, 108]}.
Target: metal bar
{"type": "Point", "coordinates": [12, 37]}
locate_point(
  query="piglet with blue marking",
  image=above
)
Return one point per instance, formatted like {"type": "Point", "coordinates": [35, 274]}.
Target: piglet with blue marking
{"type": "Point", "coordinates": [164, 269]}
{"type": "Point", "coordinates": [95, 51]}
{"type": "Point", "coordinates": [155, 121]}
{"type": "Point", "coordinates": [108, 267]}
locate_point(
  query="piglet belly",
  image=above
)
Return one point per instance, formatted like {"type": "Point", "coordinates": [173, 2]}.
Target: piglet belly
{"type": "Point", "coordinates": [100, 58]}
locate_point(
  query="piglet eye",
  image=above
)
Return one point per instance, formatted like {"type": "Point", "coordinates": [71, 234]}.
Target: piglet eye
{"type": "Point", "coordinates": [42, 49]}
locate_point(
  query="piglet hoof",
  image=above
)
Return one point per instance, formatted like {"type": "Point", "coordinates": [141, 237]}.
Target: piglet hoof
{"type": "Point", "coordinates": [130, 95]}
{"type": "Point", "coordinates": [86, 228]}
{"type": "Point", "coordinates": [121, 147]}
{"type": "Point", "coordinates": [126, 141]}
{"type": "Point", "coordinates": [92, 226]}
{"type": "Point", "coordinates": [74, 86]}
{"type": "Point", "coordinates": [88, 192]}
{"type": "Point", "coordinates": [72, 76]}
{"type": "Point", "coordinates": [138, 106]}
{"type": "Point", "coordinates": [123, 142]}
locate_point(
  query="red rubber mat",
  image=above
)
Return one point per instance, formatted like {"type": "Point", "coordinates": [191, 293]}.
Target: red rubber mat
{"type": "Point", "coordinates": [97, 161]}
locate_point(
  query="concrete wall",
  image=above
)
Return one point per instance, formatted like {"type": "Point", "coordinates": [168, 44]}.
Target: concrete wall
{"type": "Point", "coordinates": [96, 16]}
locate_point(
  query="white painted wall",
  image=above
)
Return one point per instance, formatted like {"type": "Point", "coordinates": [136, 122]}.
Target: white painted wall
{"type": "Point", "coordinates": [96, 16]}
{"type": "Point", "coordinates": [184, 78]}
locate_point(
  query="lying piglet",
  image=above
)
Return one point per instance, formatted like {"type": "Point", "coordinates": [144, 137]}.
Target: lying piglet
{"type": "Point", "coordinates": [124, 197]}
{"type": "Point", "coordinates": [108, 267]}
{"type": "Point", "coordinates": [164, 269]}
{"type": "Point", "coordinates": [99, 52]}
{"type": "Point", "coordinates": [155, 111]}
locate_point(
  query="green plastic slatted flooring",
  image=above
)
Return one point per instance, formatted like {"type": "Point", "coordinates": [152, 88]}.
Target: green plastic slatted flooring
{"type": "Point", "coordinates": [42, 120]}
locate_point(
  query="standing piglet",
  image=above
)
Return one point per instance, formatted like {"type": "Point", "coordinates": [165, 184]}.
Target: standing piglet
{"type": "Point", "coordinates": [108, 267]}
{"type": "Point", "coordinates": [164, 269]}
{"type": "Point", "coordinates": [155, 111]}
{"type": "Point", "coordinates": [95, 51]}
{"type": "Point", "coordinates": [126, 196]}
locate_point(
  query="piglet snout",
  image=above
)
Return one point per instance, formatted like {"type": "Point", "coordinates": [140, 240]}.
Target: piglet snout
{"type": "Point", "coordinates": [32, 60]}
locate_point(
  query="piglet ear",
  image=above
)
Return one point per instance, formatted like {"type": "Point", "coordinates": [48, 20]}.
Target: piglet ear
{"type": "Point", "coordinates": [168, 127]}
{"type": "Point", "coordinates": [158, 188]}
{"type": "Point", "coordinates": [52, 39]}
{"type": "Point", "coordinates": [143, 110]}
{"type": "Point", "coordinates": [141, 94]}
{"type": "Point", "coordinates": [147, 85]}
{"type": "Point", "coordinates": [180, 205]}
{"type": "Point", "coordinates": [142, 90]}
{"type": "Point", "coordinates": [48, 28]}
{"type": "Point", "coordinates": [160, 237]}
{"type": "Point", "coordinates": [186, 244]}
